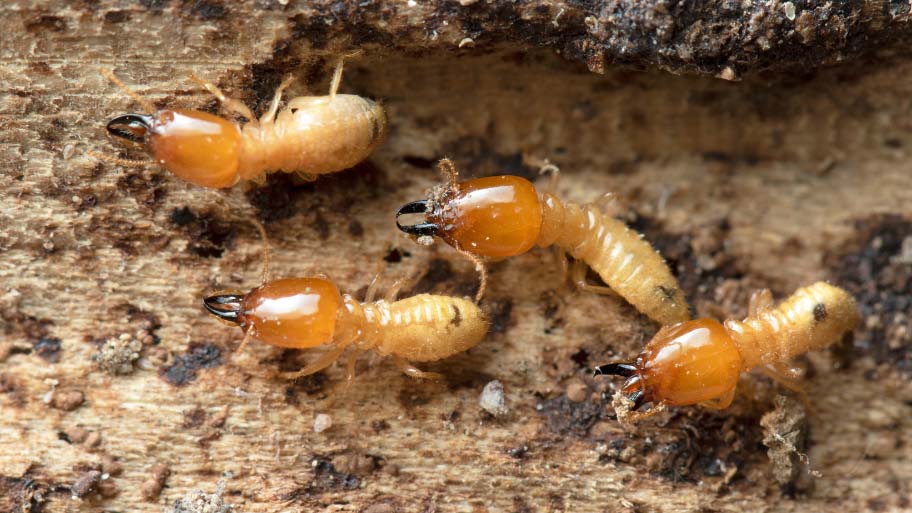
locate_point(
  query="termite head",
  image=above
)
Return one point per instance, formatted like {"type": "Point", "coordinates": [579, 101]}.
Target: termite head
{"type": "Point", "coordinates": [687, 363]}
{"type": "Point", "coordinates": [496, 216]}
{"type": "Point", "coordinates": [292, 312]}
{"type": "Point", "coordinates": [201, 148]}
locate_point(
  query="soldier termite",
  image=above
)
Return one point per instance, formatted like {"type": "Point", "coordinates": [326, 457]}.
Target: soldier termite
{"type": "Point", "coordinates": [503, 216]}
{"type": "Point", "coordinates": [312, 135]}
{"type": "Point", "coordinates": [304, 313]}
{"type": "Point", "coordinates": [700, 361]}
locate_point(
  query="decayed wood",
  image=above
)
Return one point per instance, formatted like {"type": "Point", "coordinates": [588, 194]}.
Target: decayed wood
{"type": "Point", "coordinates": [115, 386]}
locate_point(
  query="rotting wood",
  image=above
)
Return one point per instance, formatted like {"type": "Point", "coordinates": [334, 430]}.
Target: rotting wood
{"type": "Point", "coordinates": [775, 181]}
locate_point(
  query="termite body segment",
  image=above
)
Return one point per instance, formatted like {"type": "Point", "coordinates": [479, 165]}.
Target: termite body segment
{"type": "Point", "coordinates": [312, 135]}
{"type": "Point", "coordinates": [503, 216]}
{"type": "Point", "coordinates": [700, 361]}
{"type": "Point", "coordinates": [304, 313]}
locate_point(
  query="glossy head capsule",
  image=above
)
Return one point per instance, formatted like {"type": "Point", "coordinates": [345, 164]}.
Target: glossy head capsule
{"type": "Point", "coordinates": [688, 363]}
{"type": "Point", "coordinates": [497, 216]}
{"type": "Point", "coordinates": [198, 147]}
{"type": "Point", "coordinates": [292, 312]}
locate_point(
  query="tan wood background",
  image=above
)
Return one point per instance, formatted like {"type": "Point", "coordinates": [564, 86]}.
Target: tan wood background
{"type": "Point", "coordinates": [796, 173]}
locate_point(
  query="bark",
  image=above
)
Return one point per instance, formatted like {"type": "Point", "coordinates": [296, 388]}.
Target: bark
{"type": "Point", "coordinates": [118, 392]}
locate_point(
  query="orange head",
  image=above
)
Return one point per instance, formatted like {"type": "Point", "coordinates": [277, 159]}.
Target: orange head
{"type": "Point", "coordinates": [497, 216]}
{"type": "Point", "coordinates": [201, 148]}
{"type": "Point", "coordinates": [687, 363]}
{"type": "Point", "coordinates": [293, 312]}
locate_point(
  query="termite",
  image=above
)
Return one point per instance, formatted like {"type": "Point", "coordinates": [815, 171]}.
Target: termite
{"type": "Point", "coordinates": [700, 361]}
{"type": "Point", "coordinates": [312, 135]}
{"type": "Point", "coordinates": [304, 313]}
{"type": "Point", "coordinates": [504, 216]}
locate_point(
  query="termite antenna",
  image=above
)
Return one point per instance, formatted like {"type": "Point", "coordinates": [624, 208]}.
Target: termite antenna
{"type": "Point", "coordinates": [262, 230]}
{"type": "Point", "coordinates": [118, 161]}
{"type": "Point", "coordinates": [482, 272]}
{"type": "Point", "coordinates": [615, 369]}
{"type": "Point", "coordinates": [225, 306]}
{"type": "Point", "coordinates": [420, 229]}
{"type": "Point", "coordinates": [146, 104]}
{"type": "Point", "coordinates": [448, 169]}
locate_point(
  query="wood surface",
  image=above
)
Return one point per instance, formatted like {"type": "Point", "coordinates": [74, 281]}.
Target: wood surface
{"type": "Point", "coordinates": [116, 390]}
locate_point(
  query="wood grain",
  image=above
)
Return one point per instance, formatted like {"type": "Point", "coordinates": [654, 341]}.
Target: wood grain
{"type": "Point", "coordinates": [775, 181]}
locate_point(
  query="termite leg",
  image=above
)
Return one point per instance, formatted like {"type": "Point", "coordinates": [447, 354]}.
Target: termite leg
{"type": "Point", "coordinates": [258, 180]}
{"type": "Point", "coordinates": [554, 171]}
{"type": "Point", "coordinates": [230, 104]}
{"type": "Point", "coordinates": [393, 291]}
{"type": "Point", "coordinates": [372, 289]}
{"type": "Point", "coordinates": [414, 372]}
{"type": "Point", "coordinates": [337, 78]}
{"type": "Point", "coordinates": [350, 362]}
{"type": "Point", "coordinates": [403, 284]}
{"type": "Point", "coordinates": [274, 107]}
{"type": "Point", "coordinates": [783, 376]}
{"type": "Point", "coordinates": [563, 263]}
{"type": "Point", "coordinates": [578, 275]}
{"type": "Point", "coordinates": [760, 300]}
{"type": "Point", "coordinates": [720, 403]}
{"type": "Point", "coordinates": [608, 204]}
{"type": "Point", "coordinates": [322, 362]}
{"type": "Point", "coordinates": [305, 176]}
{"type": "Point", "coordinates": [337, 73]}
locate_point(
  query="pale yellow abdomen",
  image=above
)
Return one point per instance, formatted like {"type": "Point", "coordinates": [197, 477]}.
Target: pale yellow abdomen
{"type": "Point", "coordinates": [625, 261]}
{"type": "Point", "coordinates": [812, 318]}
{"type": "Point", "coordinates": [314, 135]}
{"type": "Point", "coordinates": [425, 327]}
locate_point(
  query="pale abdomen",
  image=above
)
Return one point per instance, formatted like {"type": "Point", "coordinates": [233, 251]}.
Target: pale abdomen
{"type": "Point", "coordinates": [425, 327]}
{"type": "Point", "coordinates": [314, 135]}
{"type": "Point", "coordinates": [625, 262]}
{"type": "Point", "coordinates": [812, 318]}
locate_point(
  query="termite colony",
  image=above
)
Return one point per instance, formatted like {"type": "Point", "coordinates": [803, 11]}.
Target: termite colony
{"type": "Point", "coordinates": [687, 362]}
